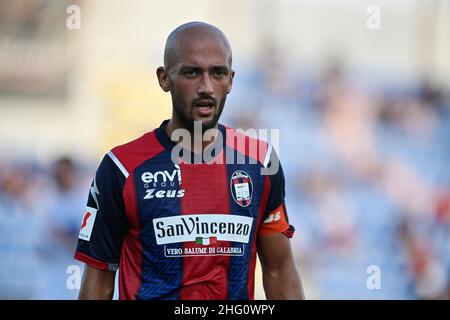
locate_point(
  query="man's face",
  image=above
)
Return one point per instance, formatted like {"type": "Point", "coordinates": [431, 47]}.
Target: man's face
{"type": "Point", "coordinates": [200, 80]}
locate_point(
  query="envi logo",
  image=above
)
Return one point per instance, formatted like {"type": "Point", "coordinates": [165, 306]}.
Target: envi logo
{"type": "Point", "coordinates": [163, 184]}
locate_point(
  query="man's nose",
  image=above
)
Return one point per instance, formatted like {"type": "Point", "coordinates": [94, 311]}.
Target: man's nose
{"type": "Point", "coordinates": [205, 87]}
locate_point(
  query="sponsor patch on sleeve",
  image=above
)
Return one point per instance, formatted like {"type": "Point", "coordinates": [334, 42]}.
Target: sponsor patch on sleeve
{"type": "Point", "coordinates": [275, 222]}
{"type": "Point", "coordinates": [87, 224]}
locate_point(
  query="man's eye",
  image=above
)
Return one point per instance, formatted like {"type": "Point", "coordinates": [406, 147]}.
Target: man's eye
{"type": "Point", "coordinates": [220, 73]}
{"type": "Point", "coordinates": [190, 72]}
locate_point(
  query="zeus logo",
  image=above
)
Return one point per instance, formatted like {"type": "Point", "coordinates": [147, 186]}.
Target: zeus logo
{"type": "Point", "coordinates": [95, 192]}
{"type": "Point", "coordinates": [150, 193]}
{"type": "Point", "coordinates": [163, 184]}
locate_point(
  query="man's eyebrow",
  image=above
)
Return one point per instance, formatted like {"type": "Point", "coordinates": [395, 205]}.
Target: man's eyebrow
{"type": "Point", "coordinates": [194, 67]}
{"type": "Point", "coordinates": [185, 67]}
{"type": "Point", "coordinates": [220, 67]}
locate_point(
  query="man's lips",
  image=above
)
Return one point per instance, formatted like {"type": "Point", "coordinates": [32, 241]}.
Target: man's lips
{"type": "Point", "coordinates": [204, 110]}
{"type": "Point", "coordinates": [204, 106]}
{"type": "Point", "coordinates": [205, 103]}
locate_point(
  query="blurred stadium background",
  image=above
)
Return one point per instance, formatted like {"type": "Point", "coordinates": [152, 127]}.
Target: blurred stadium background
{"type": "Point", "coordinates": [364, 121]}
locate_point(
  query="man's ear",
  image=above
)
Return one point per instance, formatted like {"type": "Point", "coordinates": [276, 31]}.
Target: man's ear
{"type": "Point", "coordinates": [230, 86]}
{"type": "Point", "coordinates": [163, 78]}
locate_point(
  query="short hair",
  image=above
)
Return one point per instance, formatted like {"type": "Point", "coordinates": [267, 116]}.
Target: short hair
{"type": "Point", "coordinates": [173, 40]}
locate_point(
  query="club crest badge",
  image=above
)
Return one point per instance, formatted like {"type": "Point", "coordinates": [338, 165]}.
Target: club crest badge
{"type": "Point", "coordinates": [241, 187]}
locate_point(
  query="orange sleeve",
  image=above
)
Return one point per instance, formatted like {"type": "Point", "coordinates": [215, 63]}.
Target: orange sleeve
{"type": "Point", "coordinates": [275, 222]}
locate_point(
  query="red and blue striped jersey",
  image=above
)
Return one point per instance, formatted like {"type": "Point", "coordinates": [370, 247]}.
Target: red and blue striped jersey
{"type": "Point", "coordinates": [182, 230]}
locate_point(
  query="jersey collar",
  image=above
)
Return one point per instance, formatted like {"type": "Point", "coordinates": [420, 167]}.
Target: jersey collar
{"type": "Point", "coordinates": [167, 143]}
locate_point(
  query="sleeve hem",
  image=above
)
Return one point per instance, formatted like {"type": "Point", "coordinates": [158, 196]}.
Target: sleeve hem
{"type": "Point", "coordinates": [289, 232]}
{"type": "Point", "coordinates": [94, 262]}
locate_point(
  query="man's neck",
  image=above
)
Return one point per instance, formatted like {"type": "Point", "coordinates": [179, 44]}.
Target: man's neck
{"type": "Point", "coordinates": [173, 125]}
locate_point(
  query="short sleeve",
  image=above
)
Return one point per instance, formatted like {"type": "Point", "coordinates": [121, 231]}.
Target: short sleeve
{"type": "Point", "coordinates": [104, 220]}
{"type": "Point", "coordinates": [275, 219]}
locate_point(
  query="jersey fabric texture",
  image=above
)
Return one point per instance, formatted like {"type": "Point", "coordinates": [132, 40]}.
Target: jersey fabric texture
{"type": "Point", "coordinates": [182, 230]}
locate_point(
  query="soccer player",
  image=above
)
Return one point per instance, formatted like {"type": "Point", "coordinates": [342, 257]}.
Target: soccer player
{"type": "Point", "coordinates": [178, 229]}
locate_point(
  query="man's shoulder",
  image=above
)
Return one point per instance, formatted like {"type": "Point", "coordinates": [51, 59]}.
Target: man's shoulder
{"type": "Point", "coordinates": [144, 142]}
{"type": "Point", "coordinates": [131, 154]}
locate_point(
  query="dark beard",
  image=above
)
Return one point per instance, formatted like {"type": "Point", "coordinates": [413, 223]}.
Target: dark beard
{"type": "Point", "coordinates": [189, 123]}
